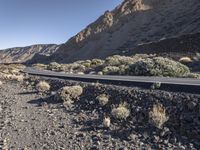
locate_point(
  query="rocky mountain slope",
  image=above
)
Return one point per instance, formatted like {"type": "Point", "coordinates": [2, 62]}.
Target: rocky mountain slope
{"type": "Point", "coordinates": [134, 21]}
{"type": "Point", "coordinates": [22, 54]}
{"type": "Point", "coordinates": [175, 47]}
{"type": "Point", "coordinates": [131, 24]}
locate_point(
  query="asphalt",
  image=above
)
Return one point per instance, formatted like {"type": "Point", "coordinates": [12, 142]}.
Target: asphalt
{"type": "Point", "coordinates": [182, 84]}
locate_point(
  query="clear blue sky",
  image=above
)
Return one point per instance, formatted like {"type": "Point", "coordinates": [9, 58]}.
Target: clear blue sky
{"type": "Point", "coordinates": [27, 22]}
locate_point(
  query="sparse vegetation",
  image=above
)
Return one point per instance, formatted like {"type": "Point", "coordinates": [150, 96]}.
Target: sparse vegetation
{"type": "Point", "coordinates": [13, 77]}
{"type": "Point", "coordinates": [185, 60]}
{"type": "Point", "coordinates": [39, 66]}
{"type": "Point", "coordinates": [106, 122]}
{"type": "Point", "coordinates": [54, 66]}
{"type": "Point", "coordinates": [103, 99]}
{"type": "Point", "coordinates": [69, 93]}
{"type": "Point", "coordinates": [158, 66]}
{"type": "Point", "coordinates": [193, 75]}
{"type": "Point", "coordinates": [87, 63]}
{"type": "Point", "coordinates": [43, 86]}
{"type": "Point", "coordinates": [11, 72]}
{"type": "Point", "coordinates": [111, 70]}
{"type": "Point", "coordinates": [121, 112]}
{"type": "Point", "coordinates": [96, 63]}
{"type": "Point", "coordinates": [118, 60]}
{"type": "Point", "coordinates": [158, 116]}
{"type": "Point", "coordinates": [19, 78]}
{"type": "Point", "coordinates": [156, 85]}
{"type": "Point", "coordinates": [137, 65]}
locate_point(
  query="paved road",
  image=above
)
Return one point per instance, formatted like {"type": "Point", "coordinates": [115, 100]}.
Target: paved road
{"type": "Point", "coordinates": [138, 79]}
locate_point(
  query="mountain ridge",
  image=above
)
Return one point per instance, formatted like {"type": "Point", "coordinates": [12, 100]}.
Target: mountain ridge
{"type": "Point", "coordinates": [23, 54]}
{"type": "Point", "coordinates": [139, 21]}
{"type": "Point", "coordinates": [133, 21]}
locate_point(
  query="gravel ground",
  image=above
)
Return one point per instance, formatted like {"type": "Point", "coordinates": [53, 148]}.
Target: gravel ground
{"type": "Point", "coordinates": [29, 120]}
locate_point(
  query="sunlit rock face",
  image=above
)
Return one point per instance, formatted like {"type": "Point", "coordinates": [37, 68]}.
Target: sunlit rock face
{"type": "Point", "coordinates": [132, 23]}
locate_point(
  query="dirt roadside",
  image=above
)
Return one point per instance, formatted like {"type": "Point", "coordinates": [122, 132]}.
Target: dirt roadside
{"type": "Point", "coordinates": [34, 121]}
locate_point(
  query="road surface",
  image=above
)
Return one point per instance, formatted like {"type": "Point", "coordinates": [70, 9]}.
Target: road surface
{"type": "Point", "coordinates": [189, 84]}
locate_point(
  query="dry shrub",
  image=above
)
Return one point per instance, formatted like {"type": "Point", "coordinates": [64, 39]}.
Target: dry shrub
{"type": "Point", "coordinates": [185, 60]}
{"type": "Point", "coordinates": [6, 76]}
{"type": "Point", "coordinates": [13, 77]}
{"type": "Point", "coordinates": [68, 93]}
{"type": "Point", "coordinates": [120, 112]}
{"type": "Point", "coordinates": [14, 71]}
{"type": "Point", "coordinates": [106, 122]}
{"type": "Point", "coordinates": [19, 78]}
{"type": "Point", "coordinates": [11, 69]}
{"type": "Point", "coordinates": [11, 72]}
{"type": "Point", "coordinates": [102, 99]}
{"type": "Point", "coordinates": [43, 86]}
{"type": "Point", "coordinates": [39, 66]}
{"type": "Point", "coordinates": [157, 116]}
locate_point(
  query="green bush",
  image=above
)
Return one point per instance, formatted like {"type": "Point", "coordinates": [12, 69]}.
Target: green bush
{"type": "Point", "coordinates": [117, 60]}
{"type": "Point", "coordinates": [97, 62]}
{"type": "Point", "coordinates": [86, 64]}
{"type": "Point", "coordinates": [111, 70]}
{"type": "Point", "coordinates": [122, 69]}
{"type": "Point", "coordinates": [54, 66]}
{"type": "Point", "coordinates": [78, 68]}
{"type": "Point", "coordinates": [158, 66]}
{"type": "Point", "coordinates": [193, 75]}
{"type": "Point", "coordinates": [156, 85]}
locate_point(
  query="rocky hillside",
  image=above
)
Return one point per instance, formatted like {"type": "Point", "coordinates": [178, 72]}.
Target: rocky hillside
{"type": "Point", "coordinates": [134, 21]}
{"type": "Point", "coordinates": [22, 54]}
{"type": "Point", "coordinates": [175, 47]}
{"type": "Point", "coordinates": [131, 24]}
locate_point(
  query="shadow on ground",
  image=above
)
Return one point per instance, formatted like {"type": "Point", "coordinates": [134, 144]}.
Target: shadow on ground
{"type": "Point", "coordinates": [27, 93]}
{"type": "Point", "coordinates": [41, 101]}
